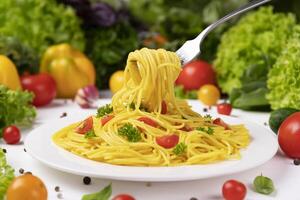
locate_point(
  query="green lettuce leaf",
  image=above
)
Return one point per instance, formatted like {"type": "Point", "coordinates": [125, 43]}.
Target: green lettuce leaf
{"type": "Point", "coordinates": [283, 79]}
{"type": "Point", "coordinates": [6, 175]}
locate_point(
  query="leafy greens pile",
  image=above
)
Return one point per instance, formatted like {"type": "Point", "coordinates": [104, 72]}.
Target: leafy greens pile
{"type": "Point", "coordinates": [283, 78]}
{"type": "Point", "coordinates": [40, 23]}
{"type": "Point", "coordinates": [6, 174]}
{"type": "Point", "coordinates": [15, 107]}
{"type": "Point", "coordinates": [247, 52]}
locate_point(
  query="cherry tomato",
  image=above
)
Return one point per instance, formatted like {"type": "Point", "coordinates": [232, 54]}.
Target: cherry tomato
{"type": "Point", "coordinates": [234, 190]}
{"type": "Point", "coordinates": [42, 85]}
{"type": "Point", "coordinates": [167, 141]}
{"type": "Point", "coordinates": [289, 136]}
{"type": "Point", "coordinates": [224, 108]}
{"type": "Point", "coordinates": [196, 74]}
{"type": "Point", "coordinates": [209, 94]}
{"type": "Point", "coordinates": [11, 135]}
{"type": "Point", "coordinates": [148, 121]}
{"type": "Point", "coordinates": [116, 81]}
{"type": "Point", "coordinates": [27, 186]}
{"type": "Point", "coordinates": [123, 197]}
{"type": "Point", "coordinates": [164, 107]}
{"type": "Point", "coordinates": [106, 119]}
{"type": "Point", "coordinates": [220, 122]}
{"type": "Point", "coordinates": [85, 126]}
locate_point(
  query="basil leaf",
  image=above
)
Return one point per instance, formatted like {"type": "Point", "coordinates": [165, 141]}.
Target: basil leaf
{"type": "Point", "coordinates": [104, 194]}
{"type": "Point", "coordinates": [263, 185]}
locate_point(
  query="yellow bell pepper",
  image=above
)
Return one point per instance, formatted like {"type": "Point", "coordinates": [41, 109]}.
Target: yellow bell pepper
{"type": "Point", "coordinates": [70, 68]}
{"type": "Point", "coordinates": [9, 74]}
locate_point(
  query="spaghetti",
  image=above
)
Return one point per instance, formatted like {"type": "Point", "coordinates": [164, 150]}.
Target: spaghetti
{"type": "Point", "coordinates": [145, 125]}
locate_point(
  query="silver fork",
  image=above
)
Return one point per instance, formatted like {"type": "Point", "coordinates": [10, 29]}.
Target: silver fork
{"type": "Point", "coordinates": [191, 48]}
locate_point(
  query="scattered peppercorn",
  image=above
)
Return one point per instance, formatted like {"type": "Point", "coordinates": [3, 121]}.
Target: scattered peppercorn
{"type": "Point", "coordinates": [64, 114]}
{"type": "Point", "coordinates": [148, 184]}
{"type": "Point", "coordinates": [25, 150]}
{"type": "Point", "coordinates": [87, 180]}
{"type": "Point", "coordinates": [21, 171]}
{"type": "Point", "coordinates": [59, 196]}
{"type": "Point", "coordinates": [193, 198]}
{"type": "Point", "coordinates": [56, 188]}
{"type": "Point", "coordinates": [265, 123]}
{"type": "Point", "coordinates": [297, 162]}
{"type": "Point", "coordinates": [205, 110]}
{"type": "Point", "coordinates": [4, 150]}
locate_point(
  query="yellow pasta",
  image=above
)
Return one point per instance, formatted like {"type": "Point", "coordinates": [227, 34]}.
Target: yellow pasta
{"type": "Point", "coordinates": [148, 95]}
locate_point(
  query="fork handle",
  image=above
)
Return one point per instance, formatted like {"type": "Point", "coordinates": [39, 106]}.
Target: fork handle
{"type": "Point", "coordinates": [240, 10]}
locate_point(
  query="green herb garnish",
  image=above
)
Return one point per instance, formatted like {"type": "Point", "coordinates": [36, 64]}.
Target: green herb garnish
{"type": "Point", "coordinates": [104, 110]}
{"type": "Point", "coordinates": [208, 117]}
{"type": "Point", "coordinates": [131, 133]}
{"type": "Point", "coordinates": [263, 185]}
{"type": "Point", "coordinates": [180, 148]}
{"type": "Point", "coordinates": [104, 194]}
{"type": "Point", "coordinates": [90, 134]}
{"type": "Point", "coordinates": [209, 130]}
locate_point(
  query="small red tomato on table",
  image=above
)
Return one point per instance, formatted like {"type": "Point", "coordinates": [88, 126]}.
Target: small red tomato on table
{"type": "Point", "coordinates": [123, 197]}
{"type": "Point", "coordinates": [224, 108]}
{"type": "Point", "coordinates": [196, 74]}
{"type": "Point", "coordinates": [234, 190]}
{"type": "Point", "coordinates": [11, 135]}
{"type": "Point", "coordinates": [289, 136]}
{"type": "Point", "coordinates": [42, 85]}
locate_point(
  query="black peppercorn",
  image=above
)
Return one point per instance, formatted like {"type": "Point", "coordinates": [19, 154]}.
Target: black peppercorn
{"type": "Point", "coordinates": [21, 171]}
{"type": "Point", "coordinates": [56, 189]}
{"type": "Point", "coordinates": [297, 162]}
{"type": "Point", "coordinates": [87, 180]}
{"type": "Point", "coordinates": [4, 150]}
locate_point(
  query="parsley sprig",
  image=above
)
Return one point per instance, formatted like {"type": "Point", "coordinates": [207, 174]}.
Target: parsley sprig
{"type": "Point", "coordinates": [104, 110]}
{"type": "Point", "coordinates": [209, 130]}
{"type": "Point", "coordinates": [180, 148]}
{"type": "Point", "coordinates": [131, 133]}
{"type": "Point", "coordinates": [90, 134]}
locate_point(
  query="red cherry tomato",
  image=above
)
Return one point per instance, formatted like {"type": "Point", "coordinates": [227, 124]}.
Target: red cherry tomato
{"type": "Point", "coordinates": [195, 74]}
{"type": "Point", "coordinates": [289, 136]}
{"type": "Point", "coordinates": [167, 141]}
{"type": "Point", "coordinates": [106, 119]}
{"type": "Point", "coordinates": [11, 135]}
{"type": "Point", "coordinates": [220, 122]}
{"type": "Point", "coordinates": [234, 190]}
{"type": "Point", "coordinates": [42, 85]}
{"type": "Point", "coordinates": [123, 197]}
{"type": "Point", "coordinates": [224, 108]}
{"type": "Point", "coordinates": [85, 126]}
{"type": "Point", "coordinates": [164, 107]}
{"type": "Point", "coordinates": [148, 121]}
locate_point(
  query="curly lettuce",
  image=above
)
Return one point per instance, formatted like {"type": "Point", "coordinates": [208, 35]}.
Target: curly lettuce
{"type": "Point", "coordinates": [15, 107]}
{"type": "Point", "coordinates": [284, 78]}
{"type": "Point", "coordinates": [254, 42]}
{"type": "Point", "coordinates": [6, 175]}
{"type": "Point", "coordinates": [40, 23]}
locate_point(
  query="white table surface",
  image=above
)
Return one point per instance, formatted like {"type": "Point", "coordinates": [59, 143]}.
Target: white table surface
{"type": "Point", "coordinates": [281, 170]}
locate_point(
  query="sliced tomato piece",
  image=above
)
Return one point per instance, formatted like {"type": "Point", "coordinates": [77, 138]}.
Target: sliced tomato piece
{"type": "Point", "coordinates": [167, 141]}
{"type": "Point", "coordinates": [106, 119]}
{"type": "Point", "coordinates": [164, 107]}
{"type": "Point", "coordinates": [85, 126]}
{"type": "Point", "coordinates": [148, 121]}
{"type": "Point", "coordinates": [186, 128]}
{"type": "Point", "coordinates": [220, 122]}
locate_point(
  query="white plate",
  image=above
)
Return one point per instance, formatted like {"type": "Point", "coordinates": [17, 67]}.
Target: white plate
{"type": "Point", "coordinates": [38, 143]}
